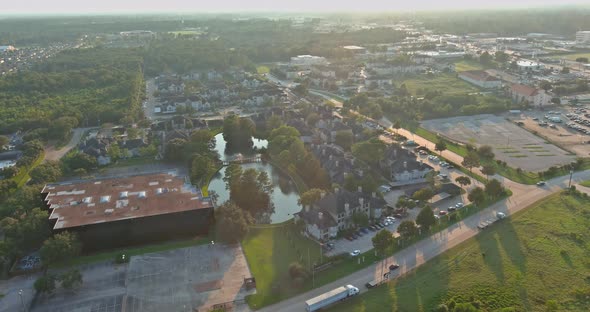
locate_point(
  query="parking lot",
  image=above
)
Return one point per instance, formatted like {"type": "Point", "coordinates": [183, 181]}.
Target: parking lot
{"type": "Point", "coordinates": [518, 147]}
{"type": "Point", "coordinates": [571, 133]}
{"type": "Point", "coordinates": [177, 280]}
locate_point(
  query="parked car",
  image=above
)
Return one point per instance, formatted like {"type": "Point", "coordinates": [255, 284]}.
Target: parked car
{"type": "Point", "coordinates": [393, 267]}
{"type": "Point", "coordinates": [398, 216]}
{"type": "Point", "coordinates": [350, 238]}
{"type": "Point", "coordinates": [371, 284]}
{"type": "Point", "coordinates": [541, 183]}
{"type": "Point", "coordinates": [442, 213]}
{"type": "Point", "coordinates": [451, 209]}
{"type": "Point", "coordinates": [459, 205]}
{"type": "Point", "coordinates": [355, 253]}
{"type": "Point", "coordinates": [365, 231]}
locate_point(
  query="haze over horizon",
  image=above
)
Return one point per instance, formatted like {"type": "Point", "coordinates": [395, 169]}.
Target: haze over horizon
{"type": "Point", "coordinates": [185, 6]}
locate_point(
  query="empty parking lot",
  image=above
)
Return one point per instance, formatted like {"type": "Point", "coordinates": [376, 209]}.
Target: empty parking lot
{"type": "Point", "coordinates": [512, 144]}
{"type": "Point", "coordinates": [187, 279]}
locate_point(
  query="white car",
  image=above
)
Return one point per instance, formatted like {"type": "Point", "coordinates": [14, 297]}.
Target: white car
{"type": "Point", "coordinates": [355, 253]}
{"type": "Point", "coordinates": [459, 205]}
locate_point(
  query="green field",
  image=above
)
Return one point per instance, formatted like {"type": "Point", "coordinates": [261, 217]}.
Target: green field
{"type": "Point", "coordinates": [572, 57]}
{"type": "Point", "coordinates": [262, 69]}
{"type": "Point", "coordinates": [22, 177]}
{"type": "Point", "coordinates": [535, 261]}
{"type": "Point", "coordinates": [446, 83]}
{"type": "Point", "coordinates": [269, 251]}
{"type": "Point", "coordinates": [467, 65]}
{"type": "Point", "coordinates": [585, 183]}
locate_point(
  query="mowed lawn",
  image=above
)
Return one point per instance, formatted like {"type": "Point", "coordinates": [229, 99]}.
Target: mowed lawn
{"type": "Point", "coordinates": [465, 65]}
{"type": "Point", "coordinates": [269, 251]}
{"type": "Point", "coordinates": [536, 259]}
{"type": "Point", "coordinates": [572, 57]}
{"type": "Point", "coordinates": [446, 83]}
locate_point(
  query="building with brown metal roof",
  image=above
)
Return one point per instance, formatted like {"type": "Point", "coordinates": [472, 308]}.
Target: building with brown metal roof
{"type": "Point", "coordinates": [127, 210]}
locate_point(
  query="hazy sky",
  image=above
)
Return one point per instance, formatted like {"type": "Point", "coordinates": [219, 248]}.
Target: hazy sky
{"type": "Point", "coordinates": [100, 6]}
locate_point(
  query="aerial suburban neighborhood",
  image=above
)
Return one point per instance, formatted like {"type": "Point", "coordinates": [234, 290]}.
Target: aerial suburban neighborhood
{"type": "Point", "coordinates": [423, 161]}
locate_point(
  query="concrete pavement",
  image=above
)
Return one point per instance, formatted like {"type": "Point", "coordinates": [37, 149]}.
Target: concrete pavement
{"type": "Point", "coordinates": [52, 154]}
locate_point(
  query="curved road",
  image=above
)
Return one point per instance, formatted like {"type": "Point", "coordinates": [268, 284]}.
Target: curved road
{"type": "Point", "coordinates": [52, 154]}
{"type": "Point", "coordinates": [417, 254]}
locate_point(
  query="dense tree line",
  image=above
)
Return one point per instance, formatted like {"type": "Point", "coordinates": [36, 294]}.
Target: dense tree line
{"type": "Point", "coordinates": [286, 147]}
{"type": "Point", "coordinates": [76, 87]}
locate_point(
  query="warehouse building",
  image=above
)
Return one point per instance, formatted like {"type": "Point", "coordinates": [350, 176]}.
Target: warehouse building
{"type": "Point", "coordinates": [123, 211]}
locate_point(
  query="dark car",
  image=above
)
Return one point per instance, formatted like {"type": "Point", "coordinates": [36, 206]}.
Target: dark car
{"type": "Point", "coordinates": [398, 216]}
{"type": "Point", "coordinates": [330, 245]}
{"type": "Point", "coordinates": [350, 238]}
{"type": "Point", "coordinates": [355, 236]}
{"type": "Point", "coordinates": [393, 267]}
{"type": "Point", "coordinates": [365, 230]}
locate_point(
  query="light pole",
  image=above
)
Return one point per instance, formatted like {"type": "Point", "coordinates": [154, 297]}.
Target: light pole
{"type": "Point", "coordinates": [22, 300]}
{"type": "Point", "coordinates": [570, 184]}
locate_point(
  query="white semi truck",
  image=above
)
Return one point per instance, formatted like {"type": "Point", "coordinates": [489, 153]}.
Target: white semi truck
{"type": "Point", "coordinates": [333, 296]}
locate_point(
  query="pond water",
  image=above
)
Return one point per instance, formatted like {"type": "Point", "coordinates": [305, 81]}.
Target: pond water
{"type": "Point", "coordinates": [284, 196]}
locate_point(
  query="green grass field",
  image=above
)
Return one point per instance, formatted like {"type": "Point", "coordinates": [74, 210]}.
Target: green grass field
{"type": "Point", "coordinates": [537, 256]}
{"type": "Point", "coordinates": [585, 183]}
{"type": "Point", "coordinates": [262, 69]}
{"type": "Point", "coordinates": [446, 83]}
{"type": "Point", "coordinates": [269, 251]}
{"type": "Point", "coordinates": [572, 57]}
{"type": "Point", "coordinates": [467, 65]}
{"type": "Point", "coordinates": [22, 177]}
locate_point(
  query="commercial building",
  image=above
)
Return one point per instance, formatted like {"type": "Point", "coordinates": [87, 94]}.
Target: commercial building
{"type": "Point", "coordinates": [523, 93]}
{"type": "Point", "coordinates": [7, 48]}
{"type": "Point", "coordinates": [526, 65]}
{"type": "Point", "coordinates": [122, 211]}
{"type": "Point", "coordinates": [481, 79]}
{"type": "Point", "coordinates": [583, 36]}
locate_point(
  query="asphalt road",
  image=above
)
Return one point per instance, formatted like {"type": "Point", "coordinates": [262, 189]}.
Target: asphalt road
{"type": "Point", "coordinates": [415, 255]}
{"type": "Point", "coordinates": [52, 154]}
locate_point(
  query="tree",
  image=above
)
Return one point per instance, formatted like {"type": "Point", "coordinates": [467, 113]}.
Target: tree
{"type": "Point", "coordinates": [273, 122]}
{"type": "Point", "coordinates": [32, 149]}
{"type": "Point", "coordinates": [71, 279]}
{"type": "Point", "coordinates": [494, 188]}
{"type": "Point", "coordinates": [426, 218]}
{"type": "Point", "coordinates": [175, 150]}
{"type": "Point", "coordinates": [47, 172]}
{"type": "Point", "coordinates": [545, 85]}
{"type": "Point", "coordinates": [61, 127]}
{"type": "Point", "coordinates": [250, 189]}
{"type": "Point", "coordinates": [344, 139]}
{"type": "Point", "coordinates": [423, 194]}
{"type": "Point", "coordinates": [310, 196]}
{"type": "Point", "coordinates": [477, 196]}
{"type": "Point", "coordinates": [470, 160]}
{"type": "Point", "coordinates": [407, 229]}
{"type": "Point", "coordinates": [488, 170]}
{"type": "Point", "coordinates": [45, 284]}
{"type": "Point", "coordinates": [232, 222]}
{"type": "Point", "coordinates": [463, 180]}
{"type": "Point", "coordinates": [61, 247]}
{"type": "Point", "coordinates": [371, 151]}
{"type": "Point", "coordinates": [301, 90]}
{"type": "Point", "coordinates": [396, 125]}
{"type": "Point", "coordinates": [360, 219]}
{"type": "Point", "coordinates": [82, 161]}
{"type": "Point", "coordinates": [115, 152]}
{"type": "Point", "coordinates": [381, 241]}
{"type": "Point", "coordinates": [485, 58]}
{"type": "Point", "coordinates": [501, 57]}
{"type": "Point", "coordinates": [582, 60]}
{"type": "Point", "coordinates": [3, 141]}
{"type": "Point", "coordinates": [202, 167]}
{"type": "Point", "coordinates": [565, 70]}
{"type": "Point", "coordinates": [238, 132]}
{"type": "Point", "coordinates": [440, 146]}
{"type": "Point", "coordinates": [312, 119]}
{"type": "Point", "coordinates": [27, 229]}
{"type": "Point", "coordinates": [485, 151]}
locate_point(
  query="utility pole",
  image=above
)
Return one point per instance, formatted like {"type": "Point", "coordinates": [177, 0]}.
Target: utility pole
{"type": "Point", "coordinates": [22, 300]}
{"type": "Point", "coordinates": [570, 184]}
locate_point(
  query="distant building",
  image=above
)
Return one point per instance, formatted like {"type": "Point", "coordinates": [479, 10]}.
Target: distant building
{"type": "Point", "coordinates": [481, 79]}
{"type": "Point", "coordinates": [308, 60]}
{"type": "Point", "coordinates": [122, 211]}
{"type": "Point", "coordinates": [526, 65]}
{"type": "Point", "coordinates": [7, 48]}
{"type": "Point", "coordinates": [583, 36]}
{"type": "Point", "coordinates": [355, 49]}
{"type": "Point", "coordinates": [523, 93]}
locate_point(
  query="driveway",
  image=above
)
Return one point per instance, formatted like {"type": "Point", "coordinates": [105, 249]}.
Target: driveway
{"type": "Point", "coordinates": [52, 154]}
